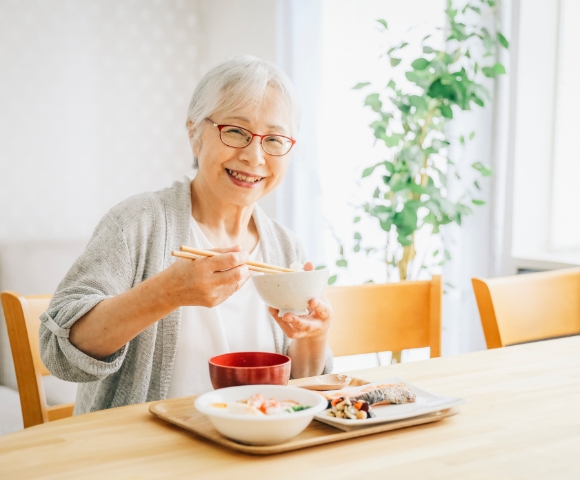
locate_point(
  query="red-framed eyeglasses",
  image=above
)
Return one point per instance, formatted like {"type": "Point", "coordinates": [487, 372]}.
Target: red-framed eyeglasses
{"type": "Point", "coordinates": [239, 137]}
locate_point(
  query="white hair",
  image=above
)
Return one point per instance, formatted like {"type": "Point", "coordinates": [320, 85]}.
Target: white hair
{"type": "Point", "coordinates": [237, 83]}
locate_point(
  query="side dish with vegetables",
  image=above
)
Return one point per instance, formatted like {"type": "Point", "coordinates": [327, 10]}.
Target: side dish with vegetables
{"type": "Point", "coordinates": [356, 405]}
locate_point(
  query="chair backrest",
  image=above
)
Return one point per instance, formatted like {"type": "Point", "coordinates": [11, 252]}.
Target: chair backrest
{"type": "Point", "coordinates": [524, 308]}
{"type": "Point", "coordinates": [380, 317]}
{"type": "Point", "coordinates": [22, 321]}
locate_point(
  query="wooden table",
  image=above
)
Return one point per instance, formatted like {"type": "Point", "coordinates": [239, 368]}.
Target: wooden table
{"type": "Point", "coordinates": [522, 421]}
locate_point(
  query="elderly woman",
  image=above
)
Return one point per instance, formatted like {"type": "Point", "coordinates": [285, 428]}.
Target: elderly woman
{"type": "Point", "coordinates": [131, 323]}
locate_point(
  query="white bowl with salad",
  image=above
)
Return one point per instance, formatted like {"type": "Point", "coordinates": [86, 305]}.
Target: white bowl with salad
{"type": "Point", "coordinates": [260, 414]}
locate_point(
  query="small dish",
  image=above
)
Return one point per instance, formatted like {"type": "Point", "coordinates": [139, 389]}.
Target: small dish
{"type": "Point", "coordinates": [291, 292]}
{"type": "Point", "coordinates": [426, 403]}
{"type": "Point", "coordinates": [264, 429]}
{"type": "Point", "coordinates": [330, 381]}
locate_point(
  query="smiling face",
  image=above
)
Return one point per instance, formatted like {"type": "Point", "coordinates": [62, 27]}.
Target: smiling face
{"type": "Point", "coordinates": [241, 176]}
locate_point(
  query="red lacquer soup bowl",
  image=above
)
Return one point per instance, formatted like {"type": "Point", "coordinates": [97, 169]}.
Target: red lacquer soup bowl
{"type": "Point", "coordinates": [249, 368]}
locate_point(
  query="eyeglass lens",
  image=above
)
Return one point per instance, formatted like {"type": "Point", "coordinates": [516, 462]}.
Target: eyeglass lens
{"type": "Point", "coordinates": [239, 138]}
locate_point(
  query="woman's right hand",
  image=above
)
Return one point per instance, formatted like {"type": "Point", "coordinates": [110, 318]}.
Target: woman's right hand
{"type": "Point", "coordinates": [209, 281]}
{"type": "Point", "coordinates": [117, 320]}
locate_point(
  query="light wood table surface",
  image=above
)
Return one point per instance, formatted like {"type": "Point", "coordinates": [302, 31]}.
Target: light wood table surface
{"type": "Point", "coordinates": [522, 421]}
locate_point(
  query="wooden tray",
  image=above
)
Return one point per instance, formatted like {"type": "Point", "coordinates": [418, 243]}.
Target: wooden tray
{"type": "Point", "coordinates": [181, 412]}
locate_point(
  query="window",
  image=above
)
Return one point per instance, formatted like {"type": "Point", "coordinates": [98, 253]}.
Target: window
{"type": "Point", "coordinates": [565, 216]}
{"type": "Point", "coordinates": [545, 219]}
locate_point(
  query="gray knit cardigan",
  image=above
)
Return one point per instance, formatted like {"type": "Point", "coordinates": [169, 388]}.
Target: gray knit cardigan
{"type": "Point", "coordinates": [130, 244]}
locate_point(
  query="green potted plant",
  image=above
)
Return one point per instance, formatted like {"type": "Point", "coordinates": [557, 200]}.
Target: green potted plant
{"type": "Point", "coordinates": [408, 190]}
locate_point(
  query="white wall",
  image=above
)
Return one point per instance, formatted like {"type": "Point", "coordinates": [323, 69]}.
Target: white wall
{"type": "Point", "coordinates": [94, 97]}
{"type": "Point", "coordinates": [228, 28]}
{"type": "Point", "coordinates": [93, 101]}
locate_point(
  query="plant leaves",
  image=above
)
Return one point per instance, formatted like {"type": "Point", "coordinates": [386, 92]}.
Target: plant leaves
{"type": "Point", "coordinates": [368, 171]}
{"type": "Point", "coordinates": [494, 71]}
{"type": "Point", "coordinates": [357, 236]}
{"type": "Point", "coordinates": [420, 64]}
{"type": "Point", "coordinates": [488, 72]}
{"type": "Point", "coordinates": [445, 89]}
{"type": "Point", "coordinates": [478, 202]}
{"type": "Point", "coordinates": [481, 168]}
{"type": "Point", "coordinates": [438, 144]}
{"type": "Point", "coordinates": [320, 267]}
{"type": "Point", "coordinates": [446, 111]}
{"type": "Point", "coordinates": [360, 85]}
{"type": "Point", "coordinates": [356, 220]}
{"type": "Point", "coordinates": [502, 40]}
{"type": "Point", "coordinates": [420, 103]}
{"type": "Point", "coordinates": [395, 61]}
{"type": "Point", "coordinates": [392, 140]}
{"type": "Point", "coordinates": [332, 279]}
{"type": "Point", "coordinates": [383, 23]}
{"type": "Point", "coordinates": [341, 263]}
{"type": "Point", "coordinates": [374, 102]}
{"type": "Point", "coordinates": [406, 220]}
{"type": "Point", "coordinates": [499, 69]}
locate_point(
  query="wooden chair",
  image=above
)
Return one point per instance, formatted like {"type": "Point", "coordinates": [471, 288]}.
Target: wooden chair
{"type": "Point", "coordinates": [22, 320]}
{"type": "Point", "coordinates": [525, 308]}
{"type": "Point", "coordinates": [380, 317]}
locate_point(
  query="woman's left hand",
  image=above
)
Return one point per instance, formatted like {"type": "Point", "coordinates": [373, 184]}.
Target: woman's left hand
{"type": "Point", "coordinates": [315, 324]}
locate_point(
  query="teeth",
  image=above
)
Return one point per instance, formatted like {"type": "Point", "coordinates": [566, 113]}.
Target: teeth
{"type": "Point", "coordinates": [243, 178]}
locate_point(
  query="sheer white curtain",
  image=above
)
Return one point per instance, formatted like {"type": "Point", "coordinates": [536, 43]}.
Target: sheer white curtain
{"type": "Point", "coordinates": [327, 46]}
{"type": "Point", "coordinates": [480, 247]}
{"type": "Point", "coordinates": [298, 199]}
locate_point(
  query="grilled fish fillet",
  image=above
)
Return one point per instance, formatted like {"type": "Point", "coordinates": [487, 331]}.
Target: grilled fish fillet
{"type": "Point", "coordinates": [396, 393]}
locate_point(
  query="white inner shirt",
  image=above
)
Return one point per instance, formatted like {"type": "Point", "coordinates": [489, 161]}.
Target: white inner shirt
{"type": "Point", "coordinates": [240, 324]}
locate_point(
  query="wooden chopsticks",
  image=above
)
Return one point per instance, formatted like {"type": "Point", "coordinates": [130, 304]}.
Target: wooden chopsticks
{"type": "Point", "coordinates": [193, 253]}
